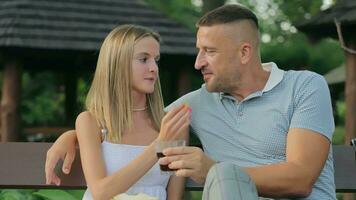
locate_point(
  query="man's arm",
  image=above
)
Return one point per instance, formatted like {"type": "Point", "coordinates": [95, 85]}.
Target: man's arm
{"type": "Point", "coordinates": [307, 145]}
{"type": "Point", "coordinates": [306, 155]}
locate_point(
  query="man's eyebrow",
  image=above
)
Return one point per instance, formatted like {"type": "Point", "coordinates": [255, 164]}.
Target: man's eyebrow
{"type": "Point", "coordinates": [206, 47]}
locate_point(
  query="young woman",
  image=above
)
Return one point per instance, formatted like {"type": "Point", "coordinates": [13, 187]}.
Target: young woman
{"type": "Point", "coordinates": [116, 133]}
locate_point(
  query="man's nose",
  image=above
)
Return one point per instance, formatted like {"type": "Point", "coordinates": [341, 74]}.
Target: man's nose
{"type": "Point", "coordinates": [200, 61]}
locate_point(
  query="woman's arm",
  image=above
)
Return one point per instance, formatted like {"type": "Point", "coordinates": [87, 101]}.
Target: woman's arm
{"type": "Point", "coordinates": [101, 185]}
{"type": "Point", "coordinates": [105, 187]}
{"type": "Point", "coordinates": [63, 149]}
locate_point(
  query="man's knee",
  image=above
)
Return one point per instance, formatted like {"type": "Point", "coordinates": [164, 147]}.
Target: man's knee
{"type": "Point", "coordinates": [228, 181]}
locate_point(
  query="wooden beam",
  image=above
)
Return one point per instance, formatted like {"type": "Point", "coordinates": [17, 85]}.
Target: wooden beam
{"type": "Point", "coordinates": [10, 102]}
{"type": "Point", "coordinates": [46, 130]}
{"type": "Point", "coordinates": [350, 96]}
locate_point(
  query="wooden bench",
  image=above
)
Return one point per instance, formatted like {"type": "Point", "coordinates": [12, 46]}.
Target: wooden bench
{"type": "Point", "coordinates": [22, 166]}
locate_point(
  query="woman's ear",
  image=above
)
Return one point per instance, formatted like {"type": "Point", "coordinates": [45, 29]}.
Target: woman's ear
{"type": "Point", "coordinates": [245, 52]}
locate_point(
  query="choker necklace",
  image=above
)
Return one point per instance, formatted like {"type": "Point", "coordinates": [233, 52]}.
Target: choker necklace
{"type": "Point", "coordinates": [139, 109]}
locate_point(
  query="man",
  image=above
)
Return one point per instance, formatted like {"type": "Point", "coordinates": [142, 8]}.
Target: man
{"type": "Point", "coordinates": [261, 127]}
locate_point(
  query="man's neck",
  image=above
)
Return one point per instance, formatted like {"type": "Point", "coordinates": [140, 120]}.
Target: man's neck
{"type": "Point", "coordinates": [252, 81]}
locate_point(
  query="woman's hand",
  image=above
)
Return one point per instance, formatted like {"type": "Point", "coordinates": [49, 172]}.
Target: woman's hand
{"type": "Point", "coordinates": [175, 123]}
{"type": "Point", "coordinates": [64, 149]}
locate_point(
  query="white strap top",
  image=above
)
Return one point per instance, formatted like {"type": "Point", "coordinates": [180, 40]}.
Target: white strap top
{"type": "Point", "coordinates": [116, 156]}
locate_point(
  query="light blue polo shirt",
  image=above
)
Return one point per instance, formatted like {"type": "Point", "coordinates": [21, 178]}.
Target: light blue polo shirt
{"type": "Point", "coordinates": [253, 132]}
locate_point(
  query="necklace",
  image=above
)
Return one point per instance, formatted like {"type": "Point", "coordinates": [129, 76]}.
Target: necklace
{"type": "Point", "coordinates": [139, 109]}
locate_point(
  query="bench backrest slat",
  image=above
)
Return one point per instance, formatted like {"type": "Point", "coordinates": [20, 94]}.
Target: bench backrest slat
{"type": "Point", "coordinates": [22, 166]}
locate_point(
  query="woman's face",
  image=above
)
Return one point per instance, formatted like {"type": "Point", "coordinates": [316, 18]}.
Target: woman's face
{"type": "Point", "coordinates": [144, 65]}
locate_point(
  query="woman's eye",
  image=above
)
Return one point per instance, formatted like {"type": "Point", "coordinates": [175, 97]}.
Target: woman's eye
{"type": "Point", "coordinates": [143, 60]}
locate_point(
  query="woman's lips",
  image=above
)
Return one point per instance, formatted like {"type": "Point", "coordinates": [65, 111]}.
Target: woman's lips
{"type": "Point", "coordinates": [150, 79]}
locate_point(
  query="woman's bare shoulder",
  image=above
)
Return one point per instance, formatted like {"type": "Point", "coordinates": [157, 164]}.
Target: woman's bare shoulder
{"type": "Point", "coordinates": [85, 116]}
{"type": "Point", "coordinates": [86, 120]}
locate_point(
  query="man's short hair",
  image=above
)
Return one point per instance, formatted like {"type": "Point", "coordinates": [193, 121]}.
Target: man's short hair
{"type": "Point", "coordinates": [226, 14]}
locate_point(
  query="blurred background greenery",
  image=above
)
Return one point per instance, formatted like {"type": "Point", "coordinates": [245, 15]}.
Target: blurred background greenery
{"type": "Point", "coordinates": [43, 96]}
{"type": "Point", "coordinates": [43, 92]}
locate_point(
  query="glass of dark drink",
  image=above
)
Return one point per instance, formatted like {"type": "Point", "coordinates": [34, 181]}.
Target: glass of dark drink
{"type": "Point", "coordinates": [160, 146]}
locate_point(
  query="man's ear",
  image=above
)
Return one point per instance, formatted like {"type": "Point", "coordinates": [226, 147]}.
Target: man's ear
{"type": "Point", "coordinates": [245, 52]}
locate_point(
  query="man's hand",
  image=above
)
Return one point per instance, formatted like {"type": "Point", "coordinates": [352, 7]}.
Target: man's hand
{"type": "Point", "coordinates": [64, 149]}
{"type": "Point", "coordinates": [189, 162]}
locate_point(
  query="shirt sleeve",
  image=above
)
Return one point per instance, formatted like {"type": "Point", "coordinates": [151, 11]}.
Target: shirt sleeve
{"type": "Point", "coordinates": [190, 99]}
{"type": "Point", "coordinates": [312, 107]}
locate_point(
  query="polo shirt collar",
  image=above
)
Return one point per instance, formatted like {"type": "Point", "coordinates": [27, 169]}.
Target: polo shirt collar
{"type": "Point", "coordinates": [274, 78]}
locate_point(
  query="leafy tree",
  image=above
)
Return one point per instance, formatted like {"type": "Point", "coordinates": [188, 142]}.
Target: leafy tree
{"type": "Point", "coordinates": [43, 99]}
{"type": "Point", "coordinates": [211, 4]}
{"type": "Point", "coordinates": [182, 11]}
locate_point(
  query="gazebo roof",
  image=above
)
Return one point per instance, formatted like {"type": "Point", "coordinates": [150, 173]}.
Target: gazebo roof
{"type": "Point", "coordinates": [323, 25]}
{"type": "Point", "coordinates": [83, 24]}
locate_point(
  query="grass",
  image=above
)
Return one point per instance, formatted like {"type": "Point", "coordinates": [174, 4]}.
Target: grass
{"type": "Point", "coordinates": [196, 195]}
{"type": "Point", "coordinates": [338, 137]}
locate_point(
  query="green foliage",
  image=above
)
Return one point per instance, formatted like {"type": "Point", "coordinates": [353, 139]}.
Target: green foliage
{"type": "Point", "coordinates": [17, 195]}
{"type": "Point", "coordinates": [59, 194]}
{"type": "Point", "coordinates": [341, 111]}
{"type": "Point", "coordinates": [43, 93]}
{"type": "Point", "coordinates": [287, 47]}
{"type": "Point", "coordinates": [338, 137]}
{"type": "Point", "coordinates": [182, 11]}
{"type": "Point", "coordinates": [299, 10]}
{"type": "Point", "coordinates": [196, 195]}
{"type": "Point", "coordinates": [83, 88]}
{"type": "Point", "coordinates": [42, 99]}
{"type": "Point", "coordinates": [326, 55]}
{"type": "Point", "coordinates": [211, 4]}
{"type": "Point", "coordinates": [283, 44]}
{"type": "Point", "coordinates": [297, 53]}
{"type": "Point", "coordinates": [23, 194]}
{"type": "Point", "coordinates": [339, 196]}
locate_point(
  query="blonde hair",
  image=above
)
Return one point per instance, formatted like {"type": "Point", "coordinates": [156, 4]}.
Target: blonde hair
{"type": "Point", "coordinates": [109, 98]}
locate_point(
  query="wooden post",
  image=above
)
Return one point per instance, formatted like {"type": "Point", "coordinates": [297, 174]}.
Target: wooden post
{"type": "Point", "coordinates": [350, 96]}
{"type": "Point", "coordinates": [10, 102]}
{"type": "Point", "coordinates": [350, 100]}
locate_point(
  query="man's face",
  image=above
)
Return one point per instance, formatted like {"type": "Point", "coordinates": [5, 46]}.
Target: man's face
{"type": "Point", "coordinates": [218, 57]}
